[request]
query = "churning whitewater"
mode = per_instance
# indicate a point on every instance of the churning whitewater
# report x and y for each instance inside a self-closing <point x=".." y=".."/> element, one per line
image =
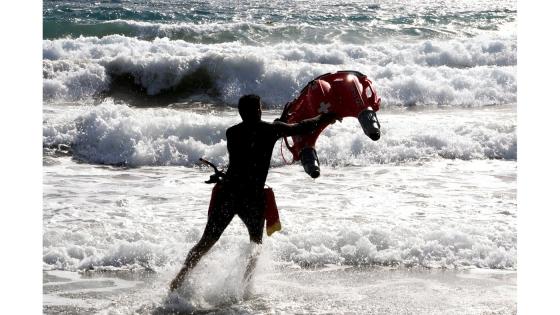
<point x="119" y="135"/>
<point x="467" y="72"/>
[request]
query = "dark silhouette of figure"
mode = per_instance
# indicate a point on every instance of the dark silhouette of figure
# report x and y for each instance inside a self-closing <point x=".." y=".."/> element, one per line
<point x="250" y="144"/>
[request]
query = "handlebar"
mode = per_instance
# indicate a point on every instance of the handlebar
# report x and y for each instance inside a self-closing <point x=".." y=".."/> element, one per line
<point x="218" y="175"/>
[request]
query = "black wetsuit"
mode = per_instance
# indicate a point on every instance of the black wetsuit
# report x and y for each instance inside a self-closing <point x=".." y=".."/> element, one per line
<point x="250" y="149"/>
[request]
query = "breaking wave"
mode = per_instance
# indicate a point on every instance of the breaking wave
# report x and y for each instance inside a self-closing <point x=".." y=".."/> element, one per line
<point x="397" y="246"/>
<point x="459" y="72"/>
<point x="120" y="135"/>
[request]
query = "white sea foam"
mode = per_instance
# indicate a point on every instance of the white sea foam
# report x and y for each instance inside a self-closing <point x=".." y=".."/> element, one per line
<point x="378" y="246"/>
<point x="386" y="226"/>
<point x="117" y="134"/>
<point x="437" y="248"/>
<point x="467" y="72"/>
<point x="73" y="79"/>
<point x="403" y="215"/>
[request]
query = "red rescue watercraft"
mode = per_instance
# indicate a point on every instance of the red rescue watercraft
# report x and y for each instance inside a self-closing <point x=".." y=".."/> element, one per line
<point x="345" y="93"/>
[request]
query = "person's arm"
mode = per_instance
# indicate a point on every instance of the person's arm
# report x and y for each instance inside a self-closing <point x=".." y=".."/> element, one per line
<point x="305" y="126"/>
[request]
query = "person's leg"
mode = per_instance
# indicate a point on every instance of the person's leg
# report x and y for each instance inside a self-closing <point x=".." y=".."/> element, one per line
<point x="218" y="219"/>
<point x="254" y="221"/>
<point x="252" y="263"/>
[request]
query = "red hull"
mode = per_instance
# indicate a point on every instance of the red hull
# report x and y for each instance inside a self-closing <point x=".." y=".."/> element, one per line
<point x="346" y="93"/>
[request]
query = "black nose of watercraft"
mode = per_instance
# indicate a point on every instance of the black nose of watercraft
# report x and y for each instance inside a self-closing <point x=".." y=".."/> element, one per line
<point x="370" y="124"/>
<point x="310" y="162"/>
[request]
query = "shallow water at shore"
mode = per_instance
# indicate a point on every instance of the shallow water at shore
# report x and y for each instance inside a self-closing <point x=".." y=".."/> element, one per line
<point x="329" y="290"/>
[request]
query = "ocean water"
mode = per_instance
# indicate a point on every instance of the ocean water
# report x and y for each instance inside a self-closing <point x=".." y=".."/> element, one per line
<point x="422" y="221"/>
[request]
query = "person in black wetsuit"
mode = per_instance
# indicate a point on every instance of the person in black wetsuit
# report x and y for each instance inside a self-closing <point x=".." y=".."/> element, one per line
<point x="250" y="144"/>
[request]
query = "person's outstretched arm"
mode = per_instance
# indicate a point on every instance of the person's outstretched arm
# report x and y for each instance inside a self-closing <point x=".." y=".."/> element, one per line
<point x="305" y="126"/>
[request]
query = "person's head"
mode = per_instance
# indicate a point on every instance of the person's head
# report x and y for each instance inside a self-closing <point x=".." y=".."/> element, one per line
<point x="250" y="108"/>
